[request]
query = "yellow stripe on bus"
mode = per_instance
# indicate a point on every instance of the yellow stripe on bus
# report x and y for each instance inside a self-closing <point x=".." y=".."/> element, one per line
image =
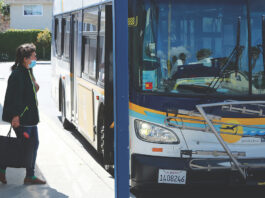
<point x="141" y="110"/>
<point x="243" y="121"/>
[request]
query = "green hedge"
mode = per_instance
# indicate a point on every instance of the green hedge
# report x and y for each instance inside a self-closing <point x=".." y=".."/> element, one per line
<point x="11" y="39"/>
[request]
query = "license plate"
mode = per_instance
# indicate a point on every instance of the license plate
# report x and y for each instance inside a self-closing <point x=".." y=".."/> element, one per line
<point x="172" y="176"/>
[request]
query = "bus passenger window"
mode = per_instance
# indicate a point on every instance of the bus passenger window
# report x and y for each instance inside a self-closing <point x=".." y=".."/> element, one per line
<point x="90" y="21"/>
<point x="67" y="38"/>
<point x="62" y="35"/>
<point x="89" y="46"/>
<point x="57" y="37"/>
<point x="89" y="57"/>
<point x="101" y="50"/>
<point x="101" y="58"/>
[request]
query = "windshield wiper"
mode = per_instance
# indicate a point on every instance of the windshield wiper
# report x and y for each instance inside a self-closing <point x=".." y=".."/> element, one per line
<point x="237" y="51"/>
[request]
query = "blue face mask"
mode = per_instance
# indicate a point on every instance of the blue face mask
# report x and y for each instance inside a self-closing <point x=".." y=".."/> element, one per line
<point x="32" y="64"/>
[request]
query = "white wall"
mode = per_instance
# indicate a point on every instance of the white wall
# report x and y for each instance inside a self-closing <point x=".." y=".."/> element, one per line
<point x="19" y="21"/>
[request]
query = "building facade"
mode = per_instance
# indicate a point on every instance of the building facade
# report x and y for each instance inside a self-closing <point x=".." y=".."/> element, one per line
<point x="30" y="14"/>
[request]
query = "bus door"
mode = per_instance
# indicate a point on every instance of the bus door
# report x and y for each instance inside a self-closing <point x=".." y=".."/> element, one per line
<point x="109" y="116"/>
<point x="87" y="87"/>
<point x="75" y="62"/>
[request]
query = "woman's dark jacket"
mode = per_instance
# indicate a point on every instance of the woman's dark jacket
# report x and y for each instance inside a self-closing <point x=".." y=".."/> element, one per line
<point x="20" y="98"/>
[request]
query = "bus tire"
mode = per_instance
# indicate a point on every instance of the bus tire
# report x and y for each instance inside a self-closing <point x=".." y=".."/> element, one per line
<point x="65" y="122"/>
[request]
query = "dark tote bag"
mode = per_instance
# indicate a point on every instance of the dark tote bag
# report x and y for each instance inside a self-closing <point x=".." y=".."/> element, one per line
<point x="15" y="152"/>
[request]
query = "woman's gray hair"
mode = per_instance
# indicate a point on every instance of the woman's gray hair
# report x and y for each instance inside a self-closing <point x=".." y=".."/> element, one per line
<point x="23" y="51"/>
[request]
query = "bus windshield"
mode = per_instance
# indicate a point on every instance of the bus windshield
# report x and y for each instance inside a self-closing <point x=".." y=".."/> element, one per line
<point x="197" y="47"/>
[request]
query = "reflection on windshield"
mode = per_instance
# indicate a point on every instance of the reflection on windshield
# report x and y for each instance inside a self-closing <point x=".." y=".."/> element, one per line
<point x="197" y="47"/>
<point x="257" y="11"/>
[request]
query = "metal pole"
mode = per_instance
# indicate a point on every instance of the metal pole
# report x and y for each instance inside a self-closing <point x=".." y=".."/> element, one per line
<point x="250" y="56"/>
<point x="237" y="164"/>
<point x="121" y="97"/>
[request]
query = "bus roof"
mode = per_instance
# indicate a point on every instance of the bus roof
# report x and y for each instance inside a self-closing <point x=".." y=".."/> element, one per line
<point x="64" y="6"/>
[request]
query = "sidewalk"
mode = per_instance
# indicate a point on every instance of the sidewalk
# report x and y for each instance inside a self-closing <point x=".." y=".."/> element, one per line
<point x="62" y="161"/>
<point x="65" y="165"/>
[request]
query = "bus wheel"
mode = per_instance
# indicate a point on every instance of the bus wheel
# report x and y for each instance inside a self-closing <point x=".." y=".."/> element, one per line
<point x="65" y="122"/>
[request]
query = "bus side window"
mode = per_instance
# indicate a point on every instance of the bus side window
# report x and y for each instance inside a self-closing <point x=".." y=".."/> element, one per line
<point x="57" y="37"/>
<point x="89" y="45"/>
<point x="67" y="38"/>
<point x="101" y="50"/>
<point x="101" y="60"/>
<point x="89" y="57"/>
<point x="62" y="35"/>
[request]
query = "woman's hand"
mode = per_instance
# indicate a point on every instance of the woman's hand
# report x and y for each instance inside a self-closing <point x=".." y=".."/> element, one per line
<point x="15" y="122"/>
<point x="36" y="86"/>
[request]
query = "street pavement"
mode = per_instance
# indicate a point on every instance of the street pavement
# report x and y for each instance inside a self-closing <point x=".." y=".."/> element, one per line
<point x="63" y="160"/>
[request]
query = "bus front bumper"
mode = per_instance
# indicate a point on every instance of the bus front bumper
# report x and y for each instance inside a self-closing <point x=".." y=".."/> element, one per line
<point x="145" y="172"/>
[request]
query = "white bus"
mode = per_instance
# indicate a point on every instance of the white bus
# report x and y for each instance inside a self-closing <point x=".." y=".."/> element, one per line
<point x="197" y="86"/>
<point x="81" y="58"/>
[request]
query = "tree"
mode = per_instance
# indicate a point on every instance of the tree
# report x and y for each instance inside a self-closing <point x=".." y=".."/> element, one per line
<point x="4" y="8"/>
<point x="44" y="39"/>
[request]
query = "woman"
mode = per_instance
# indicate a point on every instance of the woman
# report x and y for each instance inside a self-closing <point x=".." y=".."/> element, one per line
<point x="21" y="105"/>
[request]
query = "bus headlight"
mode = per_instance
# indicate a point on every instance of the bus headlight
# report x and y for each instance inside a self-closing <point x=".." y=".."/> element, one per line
<point x="154" y="133"/>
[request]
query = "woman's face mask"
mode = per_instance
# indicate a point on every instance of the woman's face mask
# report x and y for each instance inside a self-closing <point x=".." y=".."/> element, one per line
<point x="32" y="64"/>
